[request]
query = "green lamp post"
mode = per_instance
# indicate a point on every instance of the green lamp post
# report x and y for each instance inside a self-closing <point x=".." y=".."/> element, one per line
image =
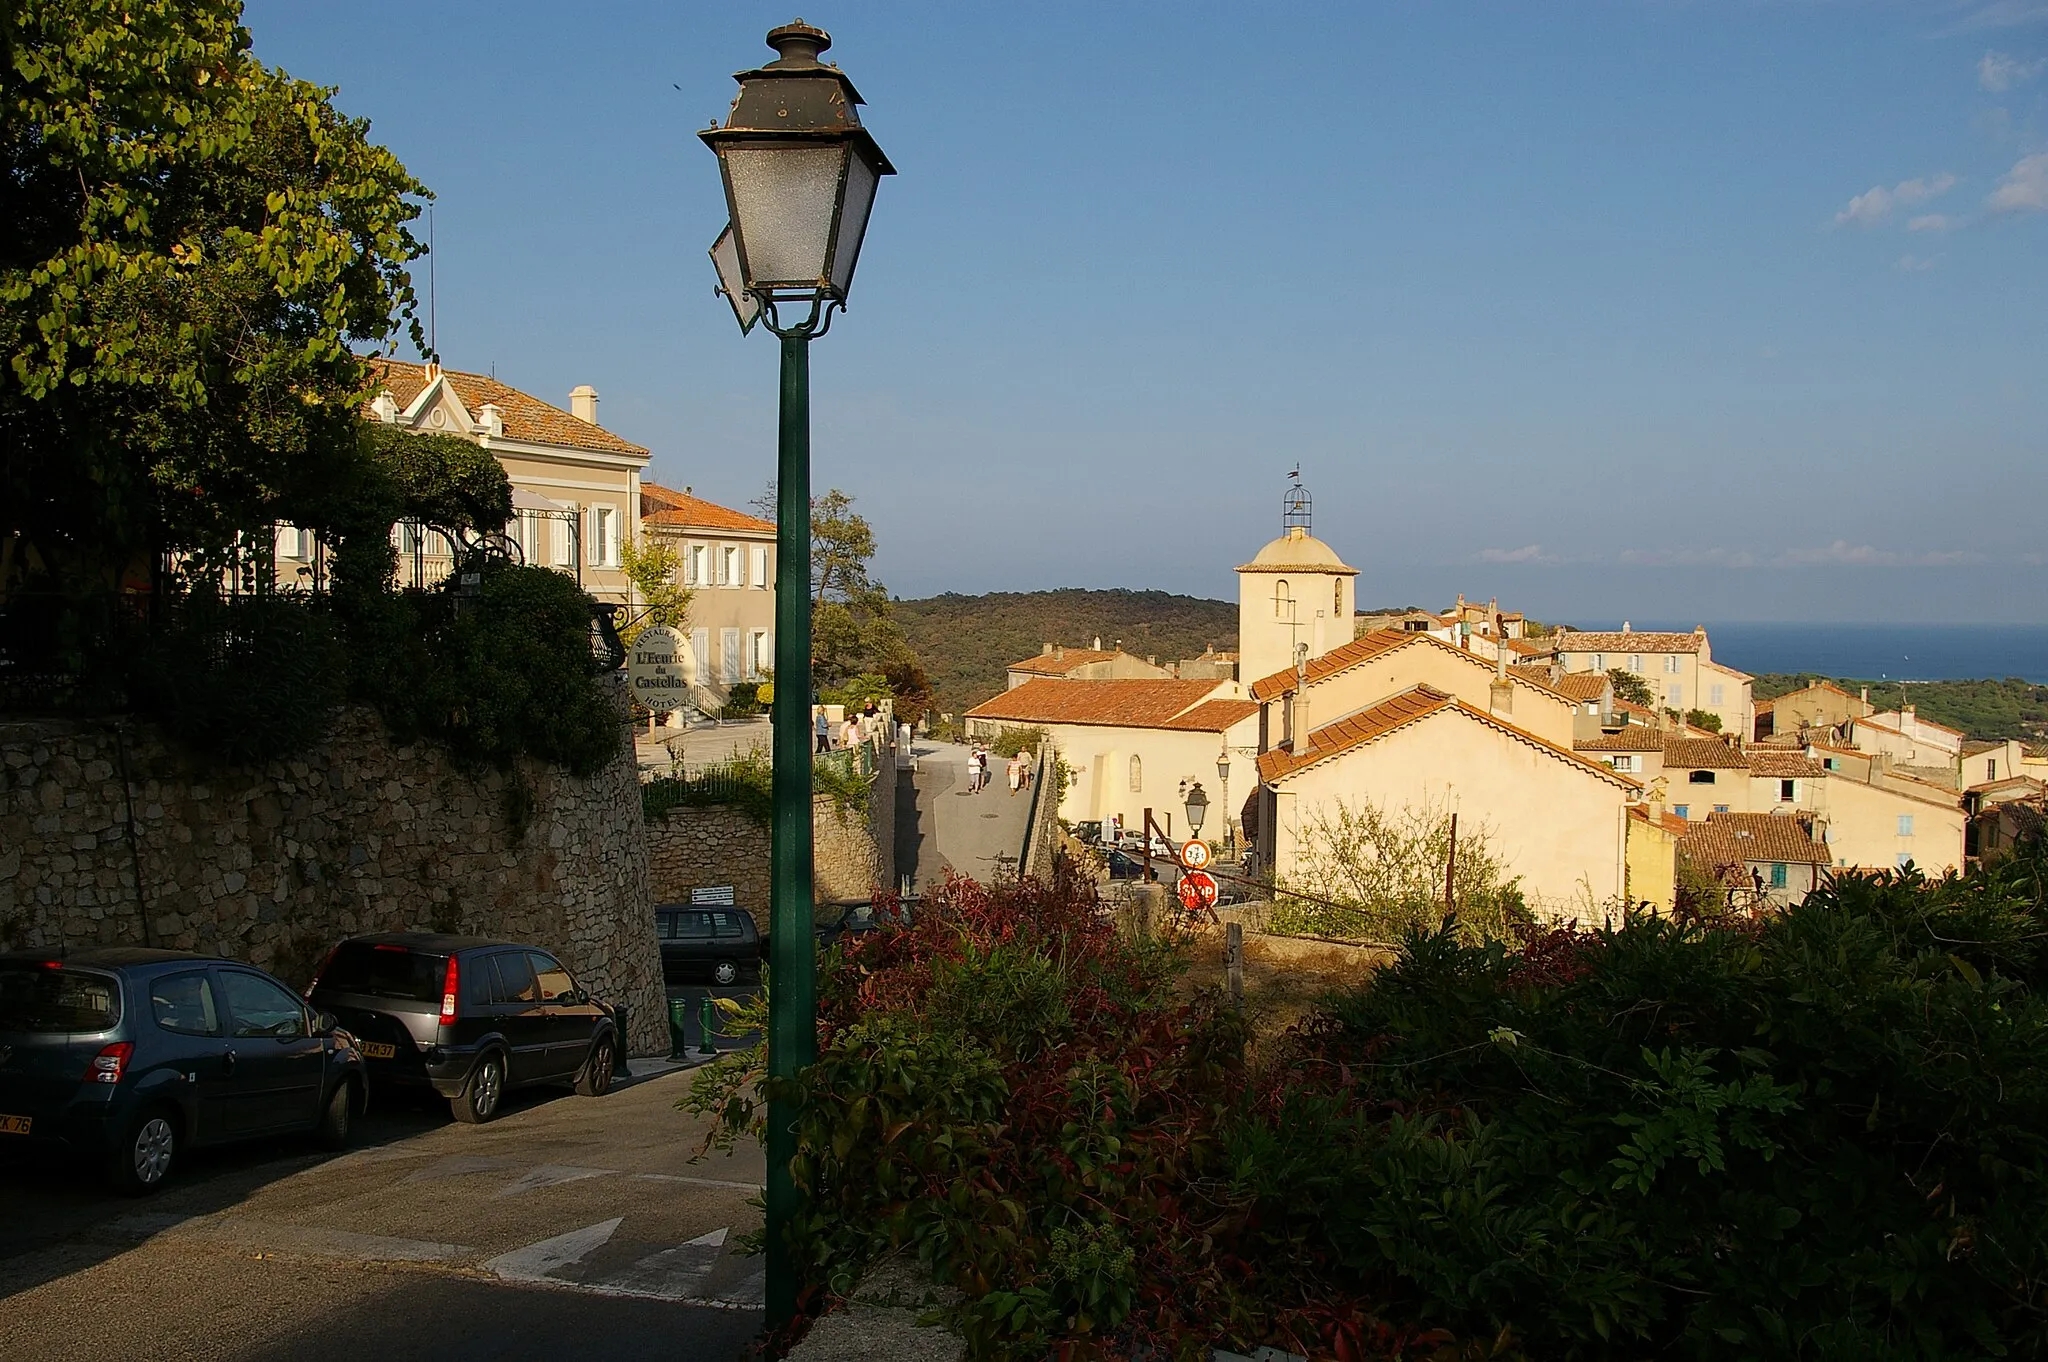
<point x="800" y="175"/>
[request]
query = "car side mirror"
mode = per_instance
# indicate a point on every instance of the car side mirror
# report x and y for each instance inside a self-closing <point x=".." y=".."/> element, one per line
<point x="575" y="997"/>
<point x="323" y="1022"/>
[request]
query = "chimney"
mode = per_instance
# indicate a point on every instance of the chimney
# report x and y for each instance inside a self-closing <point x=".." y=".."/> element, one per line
<point x="1866" y="695"/>
<point x="583" y="403"/>
<point x="1058" y="650"/>
<point x="386" y="407"/>
<point x="1098" y="643"/>
<point x="492" y="418"/>
<point x="1046" y="651"/>
<point x="1624" y="626"/>
<point x="1151" y="661"/>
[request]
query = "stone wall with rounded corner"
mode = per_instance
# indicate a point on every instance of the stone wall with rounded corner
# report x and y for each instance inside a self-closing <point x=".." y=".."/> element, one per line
<point x="272" y="864"/>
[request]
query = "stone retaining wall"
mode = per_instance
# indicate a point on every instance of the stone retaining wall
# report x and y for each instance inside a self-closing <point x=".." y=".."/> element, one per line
<point x="703" y="846"/>
<point x="271" y="864"/>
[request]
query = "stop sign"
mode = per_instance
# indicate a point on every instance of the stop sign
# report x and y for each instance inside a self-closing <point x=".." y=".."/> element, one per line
<point x="1197" y="890"/>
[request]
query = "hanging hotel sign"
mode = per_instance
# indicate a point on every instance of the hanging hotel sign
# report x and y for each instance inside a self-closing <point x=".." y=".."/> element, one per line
<point x="661" y="668"/>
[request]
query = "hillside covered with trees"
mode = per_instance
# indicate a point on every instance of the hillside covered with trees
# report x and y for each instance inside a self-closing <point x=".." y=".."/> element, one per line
<point x="965" y="642"/>
<point x="2011" y="708"/>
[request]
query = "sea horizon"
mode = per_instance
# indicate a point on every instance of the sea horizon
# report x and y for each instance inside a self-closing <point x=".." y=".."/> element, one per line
<point x="1875" y="652"/>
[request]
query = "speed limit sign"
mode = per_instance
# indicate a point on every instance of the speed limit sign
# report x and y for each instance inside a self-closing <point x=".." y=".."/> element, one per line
<point x="1194" y="855"/>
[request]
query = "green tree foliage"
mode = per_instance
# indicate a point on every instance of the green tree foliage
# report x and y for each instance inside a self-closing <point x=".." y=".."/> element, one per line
<point x="853" y="624"/>
<point x="190" y="244"/>
<point x="1700" y="718"/>
<point x="2012" y="708"/>
<point x="655" y="569"/>
<point x="966" y="642"/>
<point x="1368" y="872"/>
<point x="1630" y="687"/>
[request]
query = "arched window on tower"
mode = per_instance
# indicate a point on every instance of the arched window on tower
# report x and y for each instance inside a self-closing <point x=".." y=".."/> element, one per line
<point x="1337" y="599"/>
<point x="1283" y="600"/>
<point x="1137" y="775"/>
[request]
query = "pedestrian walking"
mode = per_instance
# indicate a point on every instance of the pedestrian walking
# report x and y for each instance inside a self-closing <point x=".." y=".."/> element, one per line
<point x="1016" y="774"/>
<point x="822" y="726"/>
<point x="849" y="733"/>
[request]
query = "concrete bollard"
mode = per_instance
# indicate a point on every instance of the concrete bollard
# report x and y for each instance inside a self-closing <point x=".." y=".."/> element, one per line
<point x="678" y="1028"/>
<point x="622" y="1017"/>
<point x="707" y="1021"/>
<point x="1233" y="961"/>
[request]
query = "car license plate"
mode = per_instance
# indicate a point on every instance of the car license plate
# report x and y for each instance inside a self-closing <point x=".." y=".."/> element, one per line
<point x="377" y="1049"/>
<point x="15" y="1125"/>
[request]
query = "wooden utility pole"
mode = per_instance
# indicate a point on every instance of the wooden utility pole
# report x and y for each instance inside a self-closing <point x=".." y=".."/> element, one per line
<point x="1233" y="962"/>
<point x="1451" y="871"/>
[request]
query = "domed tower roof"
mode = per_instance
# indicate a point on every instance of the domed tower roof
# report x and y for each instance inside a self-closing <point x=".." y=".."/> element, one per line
<point x="1298" y="551"/>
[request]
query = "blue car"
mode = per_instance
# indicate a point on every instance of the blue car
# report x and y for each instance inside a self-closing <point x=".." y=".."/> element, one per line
<point x="132" y="1056"/>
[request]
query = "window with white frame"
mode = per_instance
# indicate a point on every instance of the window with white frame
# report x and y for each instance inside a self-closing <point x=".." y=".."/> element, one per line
<point x="1714" y="696"/>
<point x="1623" y="761"/>
<point x="730" y="663"/>
<point x="700" y="649"/>
<point x="1788" y="791"/>
<point x="733" y="569"/>
<point x="760" y="580"/>
<point x="1905" y="825"/>
<point x="1671" y="664"/>
<point x="602" y="525"/>
<point x="760" y="655"/>
<point x="1677" y="695"/>
<point x="696" y="565"/>
<point x="563" y="536"/>
<point x="1635" y="662"/>
<point x="1599" y="662"/>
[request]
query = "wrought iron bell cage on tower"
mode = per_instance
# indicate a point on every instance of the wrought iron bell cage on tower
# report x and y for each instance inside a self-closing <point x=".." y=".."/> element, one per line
<point x="1296" y="507"/>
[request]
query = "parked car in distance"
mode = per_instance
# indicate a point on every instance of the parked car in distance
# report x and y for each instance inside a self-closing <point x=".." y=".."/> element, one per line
<point x="466" y="1016"/>
<point x="1131" y="841"/>
<point x="699" y="943"/>
<point x="133" y="1056"/>
<point x="855" y="921"/>
<point x="1088" y="832"/>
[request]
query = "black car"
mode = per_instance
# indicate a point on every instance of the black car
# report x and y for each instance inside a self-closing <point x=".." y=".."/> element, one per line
<point x="856" y="921"/>
<point x="133" y="1056"/>
<point x="469" y="1017"/>
<point x="696" y="942"/>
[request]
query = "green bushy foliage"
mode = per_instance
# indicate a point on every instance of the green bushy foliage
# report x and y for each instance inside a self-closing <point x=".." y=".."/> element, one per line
<point x="243" y="680"/>
<point x="1010" y="741"/>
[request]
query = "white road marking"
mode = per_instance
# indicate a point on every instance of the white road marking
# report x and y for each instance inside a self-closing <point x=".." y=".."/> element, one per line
<point x="700" y="1182"/>
<point x="458" y="1165"/>
<point x="673" y="1274"/>
<point x="552" y="1175"/>
<point x="534" y="1262"/>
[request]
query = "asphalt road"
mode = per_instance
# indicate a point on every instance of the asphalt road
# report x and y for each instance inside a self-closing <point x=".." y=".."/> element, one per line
<point x="570" y="1227"/>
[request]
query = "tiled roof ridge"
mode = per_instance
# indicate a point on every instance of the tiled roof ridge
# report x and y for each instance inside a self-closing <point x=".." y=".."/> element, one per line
<point x="1390" y="640"/>
<point x="487" y="391"/>
<point x="1181" y="694"/>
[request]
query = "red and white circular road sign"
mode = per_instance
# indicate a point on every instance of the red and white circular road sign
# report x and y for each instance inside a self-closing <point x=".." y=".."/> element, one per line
<point x="1194" y="855"/>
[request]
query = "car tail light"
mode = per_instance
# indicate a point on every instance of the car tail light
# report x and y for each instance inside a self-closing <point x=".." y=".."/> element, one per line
<point x="322" y="970"/>
<point x="449" y="983"/>
<point x="110" y="1063"/>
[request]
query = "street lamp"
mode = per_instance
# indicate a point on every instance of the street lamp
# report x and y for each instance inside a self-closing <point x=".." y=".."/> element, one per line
<point x="800" y="175"/>
<point x="1223" y="779"/>
<point x="1197" y="805"/>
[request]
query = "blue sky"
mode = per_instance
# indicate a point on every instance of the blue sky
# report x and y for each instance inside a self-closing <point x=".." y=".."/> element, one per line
<point x="1727" y="310"/>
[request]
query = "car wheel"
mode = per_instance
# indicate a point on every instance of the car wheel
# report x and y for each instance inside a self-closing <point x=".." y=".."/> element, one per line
<point x="725" y="971"/>
<point x="143" y="1160"/>
<point x="595" y="1080"/>
<point x="337" y="1122"/>
<point x="479" y="1098"/>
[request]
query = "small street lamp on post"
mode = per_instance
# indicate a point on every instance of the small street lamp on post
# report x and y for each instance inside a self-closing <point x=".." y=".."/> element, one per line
<point x="1196" y="802"/>
<point x="800" y="175"/>
<point x="1223" y="780"/>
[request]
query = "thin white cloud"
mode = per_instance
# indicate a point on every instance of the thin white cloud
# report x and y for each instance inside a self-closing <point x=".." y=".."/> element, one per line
<point x="1714" y="557"/>
<point x="2000" y="71"/>
<point x="1935" y="222"/>
<point x="1842" y="553"/>
<point x="2000" y="14"/>
<point x="1915" y="264"/>
<point x="1528" y="553"/>
<point x="1877" y="203"/>
<point x="2024" y="188"/>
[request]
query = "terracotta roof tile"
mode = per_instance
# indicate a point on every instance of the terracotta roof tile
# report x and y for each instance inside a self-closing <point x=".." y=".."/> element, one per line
<point x="1732" y="838"/>
<point x="1213" y="716"/>
<point x="1580" y="686"/>
<point x="526" y="417"/>
<point x="1573" y="641"/>
<point x="1633" y="738"/>
<point x="1779" y="764"/>
<point x="1369" y="646"/>
<point x="1420" y="702"/>
<point x="1059" y="664"/>
<point x="664" y="506"/>
<point x="1670" y="822"/>
<point x="1696" y="753"/>
<point x="1122" y="704"/>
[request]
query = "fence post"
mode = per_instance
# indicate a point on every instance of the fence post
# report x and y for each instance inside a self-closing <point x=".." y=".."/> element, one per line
<point x="1233" y="961"/>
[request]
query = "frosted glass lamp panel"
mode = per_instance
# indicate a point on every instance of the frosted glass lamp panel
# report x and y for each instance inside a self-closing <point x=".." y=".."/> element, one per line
<point x="853" y="221"/>
<point x="783" y="197"/>
<point x="725" y="258"/>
